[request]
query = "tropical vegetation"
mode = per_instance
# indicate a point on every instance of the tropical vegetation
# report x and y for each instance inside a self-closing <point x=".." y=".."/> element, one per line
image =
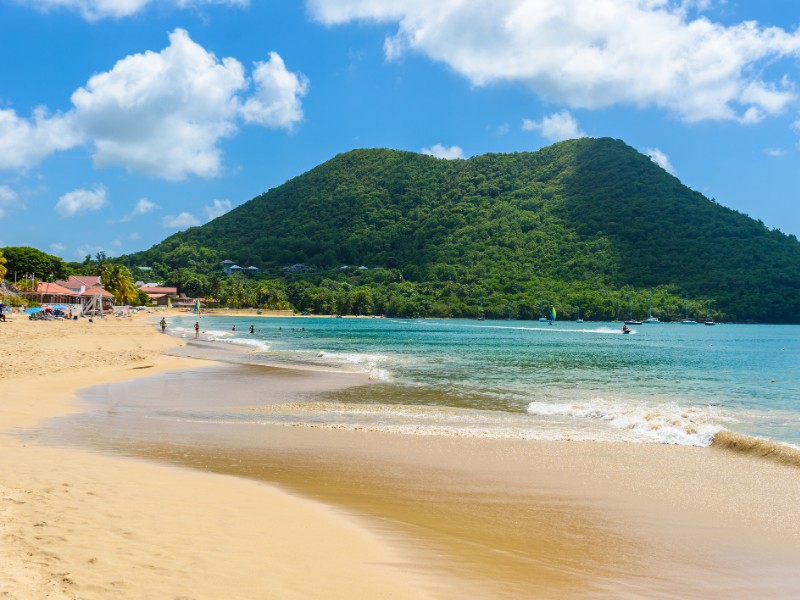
<point x="590" y="226"/>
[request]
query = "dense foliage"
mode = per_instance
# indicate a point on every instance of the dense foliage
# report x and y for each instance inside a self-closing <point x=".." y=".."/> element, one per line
<point x="24" y="262"/>
<point x="589" y="225"/>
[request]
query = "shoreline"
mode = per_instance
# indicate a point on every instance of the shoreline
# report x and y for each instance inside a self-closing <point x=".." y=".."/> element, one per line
<point x="433" y="517"/>
<point x="79" y="524"/>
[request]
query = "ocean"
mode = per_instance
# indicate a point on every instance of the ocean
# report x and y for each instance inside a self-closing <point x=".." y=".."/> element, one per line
<point x="667" y="383"/>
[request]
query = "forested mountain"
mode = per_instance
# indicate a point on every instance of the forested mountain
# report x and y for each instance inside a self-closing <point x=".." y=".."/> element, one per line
<point x="589" y="224"/>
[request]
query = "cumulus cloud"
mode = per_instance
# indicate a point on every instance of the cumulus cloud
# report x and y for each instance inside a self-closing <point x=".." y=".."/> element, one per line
<point x="440" y="151"/>
<point x="94" y="10"/>
<point x="217" y="208"/>
<point x="57" y="248"/>
<point x="775" y="152"/>
<point x="594" y="53"/>
<point x="661" y="159"/>
<point x="556" y="127"/>
<point x="181" y="221"/>
<point x="276" y="101"/>
<point x="162" y="113"/>
<point x="81" y="201"/>
<point x="25" y="142"/>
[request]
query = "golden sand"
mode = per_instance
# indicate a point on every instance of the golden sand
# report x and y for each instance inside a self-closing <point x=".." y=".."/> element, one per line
<point x="79" y="525"/>
<point x="416" y="517"/>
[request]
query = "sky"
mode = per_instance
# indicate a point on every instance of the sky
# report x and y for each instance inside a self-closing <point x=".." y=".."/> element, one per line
<point x="124" y="121"/>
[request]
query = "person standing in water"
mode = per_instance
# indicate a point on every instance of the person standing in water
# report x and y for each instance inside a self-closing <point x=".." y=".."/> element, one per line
<point x="196" y="329"/>
<point x="234" y="327"/>
<point x="252" y="330"/>
<point x="163" y="324"/>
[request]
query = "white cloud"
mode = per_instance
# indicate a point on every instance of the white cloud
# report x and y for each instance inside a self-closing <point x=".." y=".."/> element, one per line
<point x="661" y="159"/>
<point x="556" y="127"/>
<point x="90" y="250"/>
<point x="81" y="201"/>
<point x="159" y="113"/>
<point x="276" y="101"/>
<point x="143" y="206"/>
<point x="24" y="142"/>
<point x="440" y="151"/>
<point x="775" y="152"/>
<point x="217" y="209"/>
<point x="135" y="236"/>
<point x="57" y="248"/>
<point x="181" y="221"/>
<point x="162" y="113"/>
<point x="8" y="199"/>
<point x="93" y="10"/>
<point x="594" y="53"/>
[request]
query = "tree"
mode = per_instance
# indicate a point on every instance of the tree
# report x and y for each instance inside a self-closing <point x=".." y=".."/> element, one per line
<point x="117" y="279"/>
<point x="24" y="260"/>
<point x="2" y="266"/>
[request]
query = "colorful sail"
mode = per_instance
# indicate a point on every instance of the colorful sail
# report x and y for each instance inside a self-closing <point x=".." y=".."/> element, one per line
<point x="197" y="305"/>
<point x="552" y="313"/>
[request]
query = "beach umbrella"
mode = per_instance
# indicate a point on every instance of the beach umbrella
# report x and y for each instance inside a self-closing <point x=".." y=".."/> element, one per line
<point x="30" y="311"/>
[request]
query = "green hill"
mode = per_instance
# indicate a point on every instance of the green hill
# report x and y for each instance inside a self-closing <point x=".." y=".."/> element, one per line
<point x="589" y="224"/>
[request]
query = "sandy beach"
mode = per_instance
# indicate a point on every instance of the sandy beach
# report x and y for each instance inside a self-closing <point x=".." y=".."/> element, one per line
<point x="287" y="512"/>
<point x="75" y="524"/>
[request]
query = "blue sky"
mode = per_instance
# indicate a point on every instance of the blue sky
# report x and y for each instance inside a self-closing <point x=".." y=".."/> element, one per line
<point x="123" y="121"/>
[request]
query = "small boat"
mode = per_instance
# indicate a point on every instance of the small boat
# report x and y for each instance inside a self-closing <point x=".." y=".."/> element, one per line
<point x="688" y="320"/>
<point x="632" y="321"/>
<point x="709" y="320"/>
<point x="541" y="314"/>
<point x="579" y="320"/>
<point x="650" y="318"/>
<point x="626" y="329"/>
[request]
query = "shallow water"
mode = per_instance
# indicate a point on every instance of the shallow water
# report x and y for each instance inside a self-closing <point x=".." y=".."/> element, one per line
<point x="664" y="383"/>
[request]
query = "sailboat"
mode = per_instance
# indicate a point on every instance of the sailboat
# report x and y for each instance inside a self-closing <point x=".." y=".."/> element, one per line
<point x="709" y="320"/>
<point x="541" y="314"/>
<point x="650" y="318"/>
<point x="579" y="320"/>
<point x="552" y="314"/>
<point x="632" y="321"/>
<point x="687" y="320"/>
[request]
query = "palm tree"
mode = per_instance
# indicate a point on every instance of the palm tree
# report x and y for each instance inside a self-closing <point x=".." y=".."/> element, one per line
<point x="117" y="279"/>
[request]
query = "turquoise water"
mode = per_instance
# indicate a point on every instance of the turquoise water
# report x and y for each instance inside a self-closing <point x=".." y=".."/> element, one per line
<point x="667" y="383"/>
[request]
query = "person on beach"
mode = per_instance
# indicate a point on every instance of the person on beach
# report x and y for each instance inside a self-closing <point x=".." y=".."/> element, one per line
<point x="163" y="324"/>
<point x="196" y="329"/>
<point x="252" y="329"/>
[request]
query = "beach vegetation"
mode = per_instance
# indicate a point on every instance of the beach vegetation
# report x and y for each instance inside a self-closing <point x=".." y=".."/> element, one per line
<point x="24" y="262"/>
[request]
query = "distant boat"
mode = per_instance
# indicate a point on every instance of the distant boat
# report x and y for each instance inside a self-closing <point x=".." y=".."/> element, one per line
<point x="687" y="320"/>
<point x="579" y="320"/>
<point x="541" y="314"/>
<point x="709" y="319"/>
<point x="632" y="321"/>
<point x="650" y="318"/>
<point x="552" y="314"/>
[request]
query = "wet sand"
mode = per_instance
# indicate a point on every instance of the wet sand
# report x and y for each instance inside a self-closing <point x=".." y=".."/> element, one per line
<point x="505" y="518"/>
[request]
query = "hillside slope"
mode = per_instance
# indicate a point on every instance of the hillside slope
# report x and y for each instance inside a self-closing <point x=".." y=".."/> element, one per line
<point x="582" y="215"/>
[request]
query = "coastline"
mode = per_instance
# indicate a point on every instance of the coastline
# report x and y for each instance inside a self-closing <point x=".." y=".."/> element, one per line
<point x="490" y="518"/>
<point x="78" y="524"/>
